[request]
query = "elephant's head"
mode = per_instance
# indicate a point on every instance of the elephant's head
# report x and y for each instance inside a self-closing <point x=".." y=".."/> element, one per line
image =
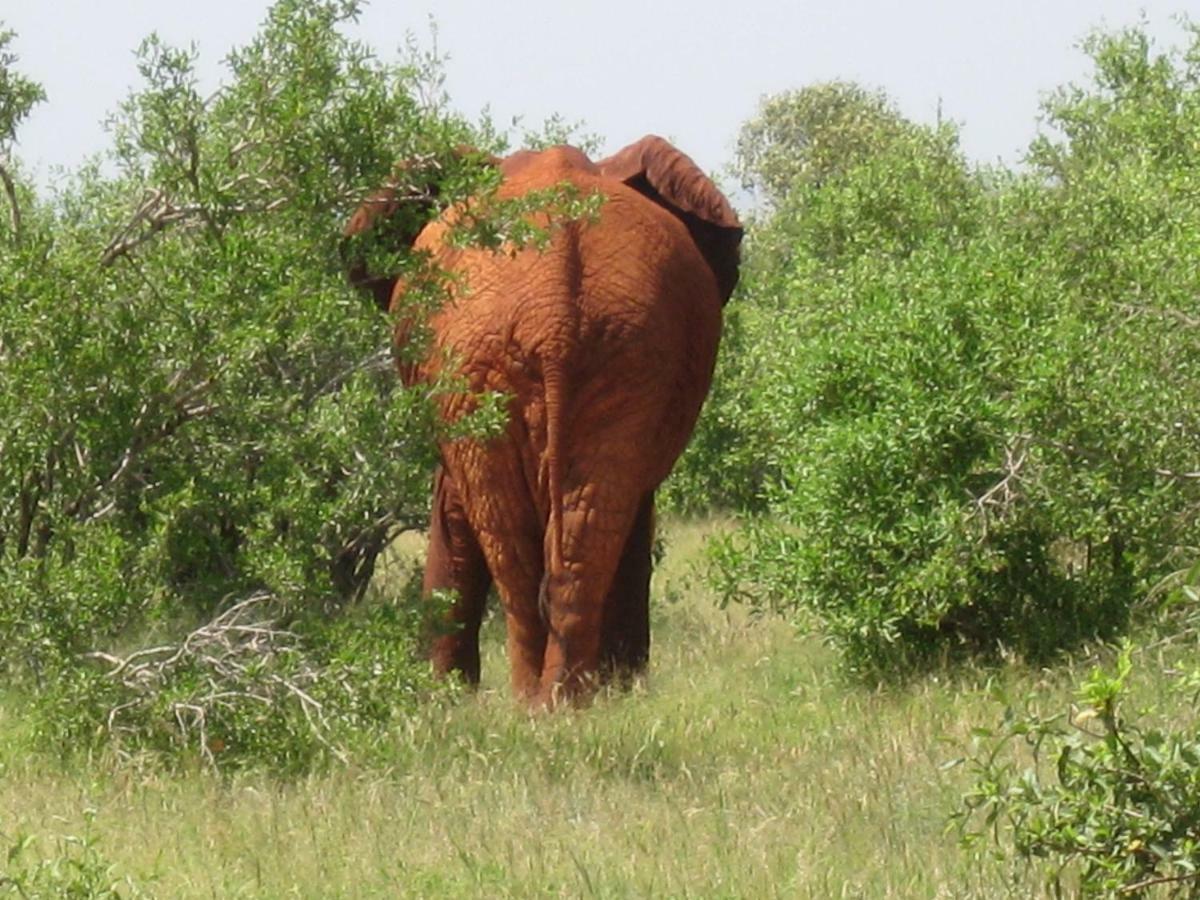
<point x="657" y="169"/>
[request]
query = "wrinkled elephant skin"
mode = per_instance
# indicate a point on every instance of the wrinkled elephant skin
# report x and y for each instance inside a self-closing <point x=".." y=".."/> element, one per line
<point x="603" y="343"/>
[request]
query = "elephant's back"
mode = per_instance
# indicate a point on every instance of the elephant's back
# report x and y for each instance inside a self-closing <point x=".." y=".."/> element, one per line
<point x="623" y="304"/>
<point x="629" y="283"/>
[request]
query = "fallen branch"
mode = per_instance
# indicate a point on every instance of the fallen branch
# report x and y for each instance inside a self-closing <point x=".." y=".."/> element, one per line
<point x="233" y="654"/>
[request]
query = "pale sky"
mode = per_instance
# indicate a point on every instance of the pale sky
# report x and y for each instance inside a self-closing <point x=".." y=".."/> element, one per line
<point x="691" y="71"/>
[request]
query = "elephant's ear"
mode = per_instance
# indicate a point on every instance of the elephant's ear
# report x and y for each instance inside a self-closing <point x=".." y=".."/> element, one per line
<point x="391" y="218"/>
<point x="657" y="169"/>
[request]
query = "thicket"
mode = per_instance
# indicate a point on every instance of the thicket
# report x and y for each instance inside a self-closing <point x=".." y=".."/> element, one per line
<point x="202" y="442"/>
<point x="960" y="406"/>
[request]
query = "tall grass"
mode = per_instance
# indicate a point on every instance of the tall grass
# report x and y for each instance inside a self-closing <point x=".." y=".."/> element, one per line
<point x="741" y="767"/>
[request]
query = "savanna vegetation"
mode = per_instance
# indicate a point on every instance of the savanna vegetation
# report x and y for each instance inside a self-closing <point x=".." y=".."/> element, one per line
<point x="925" y="623"/>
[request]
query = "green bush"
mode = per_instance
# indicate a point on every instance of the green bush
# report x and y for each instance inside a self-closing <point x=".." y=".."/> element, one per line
<point x="195" y="406"/>
<point x="972" y="396"/>
<point x="1105" y="801"/>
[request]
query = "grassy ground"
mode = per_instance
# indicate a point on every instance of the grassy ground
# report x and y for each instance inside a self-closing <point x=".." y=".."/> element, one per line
<point x="742" y="767"/>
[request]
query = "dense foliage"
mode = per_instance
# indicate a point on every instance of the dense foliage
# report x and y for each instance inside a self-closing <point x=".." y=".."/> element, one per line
<point x="196" y="408"/>
<point x="966" y="401"/>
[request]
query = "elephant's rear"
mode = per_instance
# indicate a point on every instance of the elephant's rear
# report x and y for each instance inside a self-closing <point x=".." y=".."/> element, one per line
<point x="605" y="340"/>
<point x="604" y="344"/>
<point x="649" y="323"/>
<point x="650" y="320"/>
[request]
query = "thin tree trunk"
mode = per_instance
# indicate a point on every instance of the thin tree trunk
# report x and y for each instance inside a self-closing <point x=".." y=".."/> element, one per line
<point x="14" y="215"/>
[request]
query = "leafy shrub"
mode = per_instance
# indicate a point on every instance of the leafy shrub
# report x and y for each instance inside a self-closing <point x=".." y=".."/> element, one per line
<point x="1108" y="801"/>
<point x="196" y="409"/>
<point x="194" y="402"/>
<point x="76" y="868"/>
<point x="948" y="372"/>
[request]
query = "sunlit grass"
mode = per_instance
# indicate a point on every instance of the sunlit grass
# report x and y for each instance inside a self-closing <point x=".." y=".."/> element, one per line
<point x="742" y="766"/>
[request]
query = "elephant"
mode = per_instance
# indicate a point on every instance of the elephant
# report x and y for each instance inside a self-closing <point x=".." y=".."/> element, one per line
<point x="603" y="343"/>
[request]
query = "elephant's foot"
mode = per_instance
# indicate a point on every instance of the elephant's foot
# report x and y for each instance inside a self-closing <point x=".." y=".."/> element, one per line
<point x="454" y="561"/>
<point x="526" y="642"/>
<point x="567" y="691"/>
<point x="457" y="654"/>
<point x="571" y="669"/>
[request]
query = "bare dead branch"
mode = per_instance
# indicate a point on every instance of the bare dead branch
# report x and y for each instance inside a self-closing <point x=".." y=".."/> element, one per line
<point x="230" y="651"/>
<point x="120" y="665"/>
<point x="997" y="500"/>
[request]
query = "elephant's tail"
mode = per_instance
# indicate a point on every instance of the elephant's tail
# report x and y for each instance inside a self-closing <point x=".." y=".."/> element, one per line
<point x="554" y="384"/>
<point x="554" y="357"/>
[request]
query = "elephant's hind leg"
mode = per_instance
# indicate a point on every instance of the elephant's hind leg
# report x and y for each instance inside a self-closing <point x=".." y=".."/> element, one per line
<point x="595" y="523"/>
<point x="625" y="646"/>
<point x="455" y="561"/>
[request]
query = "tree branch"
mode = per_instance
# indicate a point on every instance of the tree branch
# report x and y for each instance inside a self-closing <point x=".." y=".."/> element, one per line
<point x="188" y="404"/>
<point x="1161" y="879"/>
<point x="14" y="208"/>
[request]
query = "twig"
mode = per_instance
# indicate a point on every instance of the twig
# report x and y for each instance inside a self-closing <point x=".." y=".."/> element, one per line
<point x="1161" y="879"/>
<point x="1003" y="493"/>
<point x="1172" y="314"/>
<point x="1168" y="473"/>
<point x="120" y="665"/>
<point x="187" y="408"/>
<point x="379" y="361"/>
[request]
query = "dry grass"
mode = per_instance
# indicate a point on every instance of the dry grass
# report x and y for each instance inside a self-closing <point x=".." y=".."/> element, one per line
<point x="742" y="767"/>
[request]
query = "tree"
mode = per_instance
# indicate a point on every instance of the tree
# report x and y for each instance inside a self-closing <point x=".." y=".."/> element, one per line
<point x="806" y="136"/>
<point x="18" y="96"/>
<point x="846" y="180"/>
<point x="198" y="414"/>
<point x="950" y="377"/>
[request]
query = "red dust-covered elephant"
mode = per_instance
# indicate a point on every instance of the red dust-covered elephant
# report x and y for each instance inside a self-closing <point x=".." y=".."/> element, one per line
<point x="604" y="343"/>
